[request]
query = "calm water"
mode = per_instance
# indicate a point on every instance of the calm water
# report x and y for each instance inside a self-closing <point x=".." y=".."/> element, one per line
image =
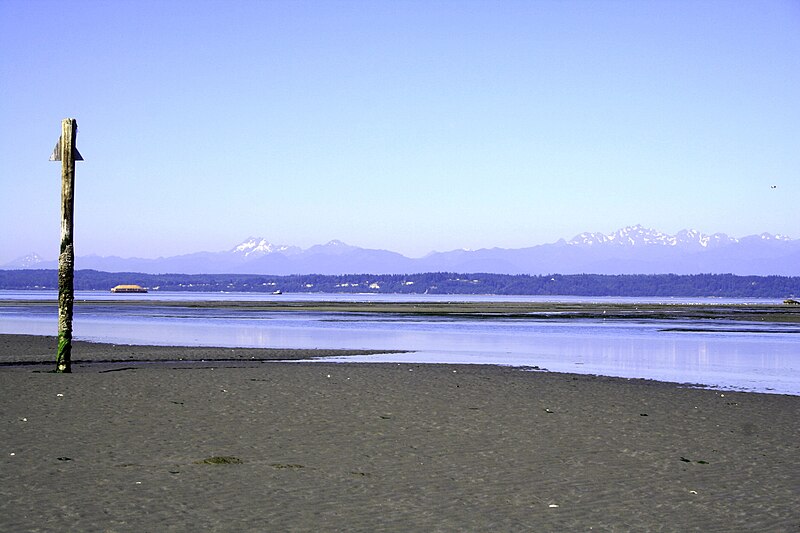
<point x="157" y="296"/>
<point x="728" y="358"/>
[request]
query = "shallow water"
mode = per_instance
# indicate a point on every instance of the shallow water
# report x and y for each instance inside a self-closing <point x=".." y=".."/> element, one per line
<point x="156" y="296"/>
<point x="731" y="355"/>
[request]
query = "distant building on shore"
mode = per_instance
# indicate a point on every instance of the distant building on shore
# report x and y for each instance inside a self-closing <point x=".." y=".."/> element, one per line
<point x="128" y="288"/>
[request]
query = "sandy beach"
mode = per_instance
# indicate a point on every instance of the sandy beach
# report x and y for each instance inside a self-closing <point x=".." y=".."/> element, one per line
<point x="230" y="440"/>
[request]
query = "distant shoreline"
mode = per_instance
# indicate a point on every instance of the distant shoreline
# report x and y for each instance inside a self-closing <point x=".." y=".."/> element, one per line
<point x="436" y="283"/>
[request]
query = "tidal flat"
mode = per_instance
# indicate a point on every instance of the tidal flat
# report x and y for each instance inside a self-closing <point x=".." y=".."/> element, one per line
<point x="728" y="345"/>
<point x="297" y="446"/>
<point x="542" y="310"/>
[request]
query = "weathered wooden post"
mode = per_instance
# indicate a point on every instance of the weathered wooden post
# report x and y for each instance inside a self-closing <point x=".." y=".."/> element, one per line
<point x="66" y="152"/>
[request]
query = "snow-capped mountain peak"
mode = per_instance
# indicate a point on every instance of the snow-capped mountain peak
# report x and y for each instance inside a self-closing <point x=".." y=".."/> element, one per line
<point x="627" y="236"/>
<point x="638" y="235"/>
<point x="776" y="237"/>
<point x="26" y="261"/>
<point x="258" y="246"/>
<point x="635" y="235"/>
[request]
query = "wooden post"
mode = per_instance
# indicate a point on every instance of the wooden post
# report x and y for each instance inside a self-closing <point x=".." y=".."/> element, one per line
<point x="66" y="152"/>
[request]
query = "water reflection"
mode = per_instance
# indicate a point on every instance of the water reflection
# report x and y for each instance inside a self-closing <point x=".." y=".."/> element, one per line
<point x="747" y="359"/>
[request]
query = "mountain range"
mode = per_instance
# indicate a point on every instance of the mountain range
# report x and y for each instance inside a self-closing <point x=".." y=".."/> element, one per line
<point x="630" y="250"/>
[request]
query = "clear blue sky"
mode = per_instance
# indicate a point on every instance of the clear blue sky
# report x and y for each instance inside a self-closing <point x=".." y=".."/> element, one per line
<point x="412" y="126"/>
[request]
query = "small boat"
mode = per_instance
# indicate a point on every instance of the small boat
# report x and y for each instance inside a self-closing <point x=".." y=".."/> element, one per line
<point x="128" y="288"/>
<point x="277" y="292"/>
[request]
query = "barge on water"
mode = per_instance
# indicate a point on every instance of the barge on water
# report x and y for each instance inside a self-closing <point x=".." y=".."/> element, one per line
<point x="128" y="288"/>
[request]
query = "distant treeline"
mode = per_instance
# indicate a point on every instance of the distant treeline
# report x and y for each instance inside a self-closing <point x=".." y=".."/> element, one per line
<point x="721" y="285"/>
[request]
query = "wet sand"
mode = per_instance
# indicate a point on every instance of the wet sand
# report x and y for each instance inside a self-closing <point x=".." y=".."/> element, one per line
<point x="126" y="446"/>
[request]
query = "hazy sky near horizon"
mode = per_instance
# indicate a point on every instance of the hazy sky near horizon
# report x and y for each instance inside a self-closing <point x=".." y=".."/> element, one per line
<point x="407" y="125"/>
